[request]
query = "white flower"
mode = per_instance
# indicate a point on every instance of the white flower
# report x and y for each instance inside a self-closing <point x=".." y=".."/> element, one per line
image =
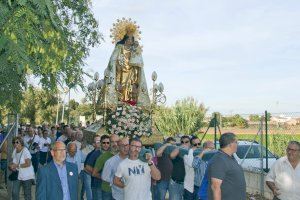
<point x="109" y="122"/>
<point x="114" y="126"/>
<point x="118" y="114"/>
<point x="123" y="113"/>
<point x="113" y="116"/>
<point x="119" y="123"/>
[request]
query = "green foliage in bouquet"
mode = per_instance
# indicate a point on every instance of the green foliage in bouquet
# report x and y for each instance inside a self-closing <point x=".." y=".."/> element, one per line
<point x="129" y="121"/>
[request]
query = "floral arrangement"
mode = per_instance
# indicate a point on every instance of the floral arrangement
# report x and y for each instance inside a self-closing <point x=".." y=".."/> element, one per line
<point x="129" y="120"/>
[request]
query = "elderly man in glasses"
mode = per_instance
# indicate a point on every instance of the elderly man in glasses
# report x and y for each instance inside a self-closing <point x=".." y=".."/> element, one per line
<point x="284" y="176"/>
<point x="59" y="178"/>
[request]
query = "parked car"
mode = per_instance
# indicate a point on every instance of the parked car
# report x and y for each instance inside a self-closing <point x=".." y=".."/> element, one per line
<point x="253" y="158"/>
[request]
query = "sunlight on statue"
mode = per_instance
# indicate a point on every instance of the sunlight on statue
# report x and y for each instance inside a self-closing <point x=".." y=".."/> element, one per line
<point x="124" y="76"/>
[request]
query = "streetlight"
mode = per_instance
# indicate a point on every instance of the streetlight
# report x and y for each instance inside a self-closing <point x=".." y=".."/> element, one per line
<point x="157" y="91"/>
<point x="93" y="87"/>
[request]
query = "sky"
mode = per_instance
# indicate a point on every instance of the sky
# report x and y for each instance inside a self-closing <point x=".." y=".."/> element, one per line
<point x="234" y="56"/>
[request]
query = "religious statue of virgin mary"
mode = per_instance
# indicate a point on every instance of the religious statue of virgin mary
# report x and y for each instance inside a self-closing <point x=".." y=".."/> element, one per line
<point x="124" y="76"/>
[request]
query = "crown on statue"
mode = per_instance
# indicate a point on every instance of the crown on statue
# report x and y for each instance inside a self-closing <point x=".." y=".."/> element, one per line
<point x="124" y="27"/>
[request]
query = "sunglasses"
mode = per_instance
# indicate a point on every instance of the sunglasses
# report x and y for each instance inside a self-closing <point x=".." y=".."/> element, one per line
<point x="137" y="147"/>
<point x="105" y="142"/>
<point x="184" y="142"/>
<point x="16" y="142"/>
<point x="196" y="144"/>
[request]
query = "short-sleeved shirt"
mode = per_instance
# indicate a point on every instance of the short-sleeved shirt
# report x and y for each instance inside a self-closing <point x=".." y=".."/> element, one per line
<point x="227" y="169"/>
<point x="165" y="166"/>
<point x="91" y="160"/>
<point x="178" y="172"/>
<point x="286" y="179"/>
<point x="26" y="173"/>
<point x="99" y="165"/>
<point x="137" y="179"/>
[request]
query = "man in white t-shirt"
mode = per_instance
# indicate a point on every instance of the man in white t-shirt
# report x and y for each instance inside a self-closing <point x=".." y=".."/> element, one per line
<point x="31" y="141"/>
<point x="44" y="144"/>
<point x="134" y="175"/>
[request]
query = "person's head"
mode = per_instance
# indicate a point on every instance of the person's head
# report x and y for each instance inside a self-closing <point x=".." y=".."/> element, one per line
<point x="53" y="130"/>
<point x="72" y="149"/>
<point x="79" y="135"/>
<point x="208" y="145"/>
<point x="58" y="152"/>
<point x="69" y="132"/>
<point x="123" y="145"/>
<point x="45" y="133"/>
<point x="135" y="148"/>
<point x="97" y="142"/>
<point x="40" y="131"/>
<point x="30" y="131"/>
<point x="18" y="143"/>
<point x="114" y="142"/>
<point x="170" y="140"/>
<point x="228" y="142"/>
<point x="185" y="141"/>
<point x="105" y="143"/>
<point x="293" y="151"/>
<point x="195" y="142"/>
<point x="127" y="40"/>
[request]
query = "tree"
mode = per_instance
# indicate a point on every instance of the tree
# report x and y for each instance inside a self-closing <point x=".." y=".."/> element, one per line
<point x="234" y="121"/>
<point x="254" y="118"/>
<point x="186" y="117"/>
<point x="47" y="39"/>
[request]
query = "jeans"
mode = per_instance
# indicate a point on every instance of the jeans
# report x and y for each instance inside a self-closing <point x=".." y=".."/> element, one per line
<point x="175" y="190"/>
<point x="3" y="167"/>
<point x="35" y="161"/>
<point x="196" y="190"/>
<point x="161" y="189"/>
<point x="188" y="195"/>
<point x="97" y="193"/>
<point x="86" y="184"/>
<point x="106" y="195"/>
<point x="26" y="187"/>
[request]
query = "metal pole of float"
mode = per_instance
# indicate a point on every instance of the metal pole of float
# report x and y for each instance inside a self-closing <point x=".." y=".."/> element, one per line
<point x="261" y="159"/>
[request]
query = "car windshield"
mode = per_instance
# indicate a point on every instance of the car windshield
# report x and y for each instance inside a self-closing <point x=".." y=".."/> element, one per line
<point x="254" y="152"/>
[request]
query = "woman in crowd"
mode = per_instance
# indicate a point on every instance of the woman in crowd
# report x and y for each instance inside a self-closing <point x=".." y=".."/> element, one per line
<point x="21" y="162"/>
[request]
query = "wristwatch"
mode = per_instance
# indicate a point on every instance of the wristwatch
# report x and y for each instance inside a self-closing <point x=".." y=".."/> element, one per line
<point x="150" y="163"/>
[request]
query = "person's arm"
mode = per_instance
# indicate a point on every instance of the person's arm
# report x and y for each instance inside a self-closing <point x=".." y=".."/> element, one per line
<point x="98" y="167"/>
<point x="160" y="150"/>
<point x="174" y="153"/>
<point x="188" y="159"/>
<point x="118" y="182"/>
<point x="155" y="173"/>
<point x="270" y="180"/>
<point x="26" y="164"/>
<point x="88" y="169"/>
<point x="216" y="188"/>
<point x="273" y="188"/>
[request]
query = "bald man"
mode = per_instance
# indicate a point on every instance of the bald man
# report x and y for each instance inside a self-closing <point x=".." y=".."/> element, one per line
<point x="58" y="179"/>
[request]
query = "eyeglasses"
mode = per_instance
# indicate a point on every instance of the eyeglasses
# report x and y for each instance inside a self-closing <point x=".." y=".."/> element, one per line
<point x="137" y="147"/>
<point x="16" y="142"/>
<point x="184" y="142"/>
<point x="59" y="149"/>
<point x="105" y="142"/>
<point x="294" y="150"/>
<point x="196" y="144"/>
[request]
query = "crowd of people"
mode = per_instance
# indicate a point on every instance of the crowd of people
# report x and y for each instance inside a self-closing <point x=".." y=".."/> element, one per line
<point x="63" y="166"/>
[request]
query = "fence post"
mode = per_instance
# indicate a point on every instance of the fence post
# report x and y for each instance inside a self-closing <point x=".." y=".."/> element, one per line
<point x="215" y="126"/>
<point x="261" y="159"/>
<point x="266" y="133"/>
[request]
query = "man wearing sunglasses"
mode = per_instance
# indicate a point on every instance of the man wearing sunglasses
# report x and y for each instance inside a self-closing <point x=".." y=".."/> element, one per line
<point x="284" y="176"/>
<point x="110" y="148"/>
